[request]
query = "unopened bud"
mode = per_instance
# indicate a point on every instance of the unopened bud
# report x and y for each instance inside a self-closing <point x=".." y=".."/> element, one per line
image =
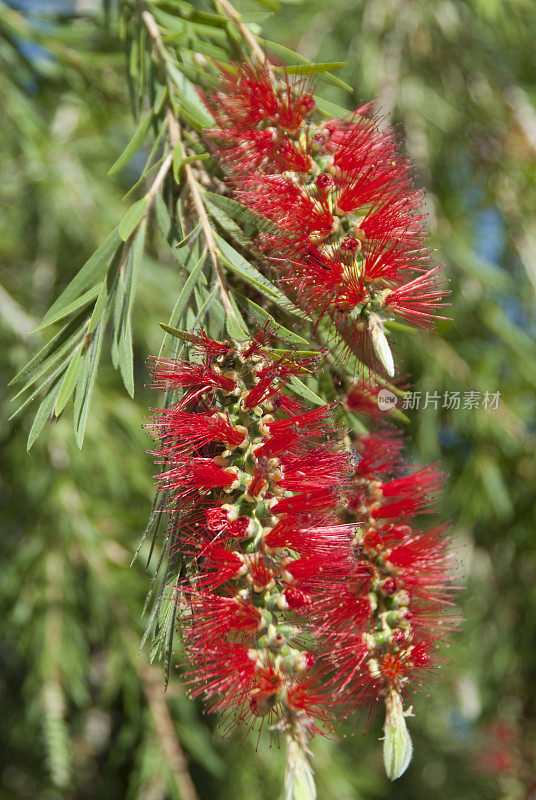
<point x="397" y="746"/>
<point x="380" y="344"/>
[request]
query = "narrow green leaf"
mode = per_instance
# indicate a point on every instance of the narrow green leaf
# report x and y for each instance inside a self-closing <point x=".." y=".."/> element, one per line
<point x="69" y="382"/>
<point x="265" y="318"/>
<point x="162" y="217"/>
<point x="208" y="49"/>
<point x="185" y="336"/>
<point x="252" y="275"/>
<point x="172" y="37"/>
<point x="159" y="100"/>
<point x="186" y="291"/>
<point x="229" y="225"/>
<point x="92" y="270"/>
<point x="294" y="354"/>
<point x="133" y="145"/>
<point x="178" y="159"/>
<point x="299" y="388"/>
<point x="188" y="239"/>
<point x="143" y="177"/>
<point x="56" y="341"/>
<point x="330" y="109"/>
<point x="138" y="251"/>
<point x="190" y="16"/>
<point x="44" y="413"/>
<point x="237" y="211"/>
<point x="178" y="333"/>
<point x="303" y="63"/>
<point x="356" y="423"/>
<point x="126" y="359"/>
<point x="81" y="385"/>
<point x="120" y="305"/>
<point x="171" y="228"/>
<point x="80" y="302"/>
<point x="48" y="380"/>
<point x="326" y="387"/>
<point x="132" y="218"/>
<point x="66" y="348"/>
<point x="149" y="166"/>
<point x="204" y="307"/>
<point x="236" y="326"/>
<point x="173" y="232"/>
<point x="189" y="100"/>
<point x="311" y="69"/>
<point x="197" y="157"/>
<point x="91" y="367"/>
<point x="99" y="307"/>
<point x="125" y="292"/>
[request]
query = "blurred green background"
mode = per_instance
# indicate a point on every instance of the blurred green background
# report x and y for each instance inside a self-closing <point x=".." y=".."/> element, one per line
<point x="83" y="716"/>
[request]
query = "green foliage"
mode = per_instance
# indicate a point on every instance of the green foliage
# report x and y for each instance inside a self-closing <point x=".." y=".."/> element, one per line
<point x="84" y="713"/>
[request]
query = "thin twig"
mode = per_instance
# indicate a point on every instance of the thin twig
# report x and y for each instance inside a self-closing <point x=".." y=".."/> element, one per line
<point x="233" y="14"/>
<point x="193" y="186"/>
<point x="159" y="180"/>
<point x="166" y="731"/>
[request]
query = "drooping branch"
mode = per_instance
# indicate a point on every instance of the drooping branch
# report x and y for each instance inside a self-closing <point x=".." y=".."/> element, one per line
<point x="174" y="138"/>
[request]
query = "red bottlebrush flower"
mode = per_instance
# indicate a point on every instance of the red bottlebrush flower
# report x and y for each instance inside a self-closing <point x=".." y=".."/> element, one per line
<point x="262" y="485"/>
<point x="222" y="616"/>
<point x="296" y="598"/>
<point x="266" y="491"/>
<point x="382" y="490"/>
<point x="193" y="474"/>
<point x="172" y="375"/>
<point x="378" y="454"/>
<point x="348" y="239"/>
<point x="418" y="300"/>
<point x="389" y="620"/>
<point x="304" y="472"/>
<point x="186" y="431"/>
<point x="395" y="668"/>
<point x="418" y="485"/>
<point x="364" y="398"/>
<point x="218" y="520"/>
<point x="248" y="96"/>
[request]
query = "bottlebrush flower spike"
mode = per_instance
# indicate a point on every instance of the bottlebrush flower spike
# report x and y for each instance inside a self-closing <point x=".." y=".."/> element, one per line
<point x="257" y="488"/>
<point x="394" y="619"/>
<point x="349" y="241"/>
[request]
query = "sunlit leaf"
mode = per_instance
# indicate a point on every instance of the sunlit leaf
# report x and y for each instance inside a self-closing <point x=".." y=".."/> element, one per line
<point x="134" y="144"/>
<point x="44" y="412"/>
<point x="132" y="218"/>
<point x="92" y="270"/>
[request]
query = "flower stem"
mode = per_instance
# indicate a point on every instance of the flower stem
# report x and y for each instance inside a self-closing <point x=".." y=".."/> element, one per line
<point x="233" y="14"/>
